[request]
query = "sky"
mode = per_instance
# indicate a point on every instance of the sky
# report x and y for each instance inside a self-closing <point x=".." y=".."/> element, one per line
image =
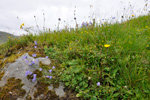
<point x="45" y="13"/>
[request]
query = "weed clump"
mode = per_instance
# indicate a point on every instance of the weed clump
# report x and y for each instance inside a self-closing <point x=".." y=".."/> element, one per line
<point x="12" y="90"/>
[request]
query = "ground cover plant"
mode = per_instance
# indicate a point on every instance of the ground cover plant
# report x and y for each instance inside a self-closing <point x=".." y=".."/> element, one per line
<point x="99" y="62"/>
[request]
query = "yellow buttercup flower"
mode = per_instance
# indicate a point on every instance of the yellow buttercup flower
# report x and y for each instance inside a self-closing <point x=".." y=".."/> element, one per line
<point x="21" y="26"/>
<point x="106" y="45"/>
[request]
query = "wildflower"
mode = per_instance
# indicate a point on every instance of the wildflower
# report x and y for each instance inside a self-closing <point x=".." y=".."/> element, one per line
<point x="27" y="61"/>
<point x="34" y="55"/>
<point x="70" y="48"/>
<point x="34" y="78"/>
<point x="113" y="18"/>
<point x="90" y="23"/>
<point x="30" y="64"/>
<point x="40" y="69"/>
<point x="37" y="60"/>
<point x="98" y="84"/>
<point x="47" y="76"/>
<point x="35" y="46"/>
<point x="25" y="57"/>
<point x="83" y="24"/>
<point x="30" y="73"/>
<point x="132" y="15"/>
<point x="50" y="77"/>
<point x="125" y="87"/>
<point x="50" y="71"/>
<point x="46" y="57"/>
<point x="27" y="72"/>
<point x="33" y="62"/>
<point x="106" y="45"/>
<point x="35" y="42"/>
<point x="53" y="67"/>
<point x="21" y="26"/>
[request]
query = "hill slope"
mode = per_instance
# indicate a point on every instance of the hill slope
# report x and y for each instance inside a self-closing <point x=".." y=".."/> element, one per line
<point x="4" y="36"/>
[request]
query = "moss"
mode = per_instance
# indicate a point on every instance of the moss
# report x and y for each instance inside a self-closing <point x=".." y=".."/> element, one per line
<point x="37" y="72"/>
<point x="12" y="58"/>
<point x="12" y="90"/>
<point x="38" y="54"/>
<point x="50" y="95"/>
<point x="41" y="87"/>
<point x="70" y="95"/>
<point x="56" y="85"/>
<point x="2" y="56"/>
<point x="28" y="97"/>
<point x="1" y="75"/>
<point x="46" y="67"/>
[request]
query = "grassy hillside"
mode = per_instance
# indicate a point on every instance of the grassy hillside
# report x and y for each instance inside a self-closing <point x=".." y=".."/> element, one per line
<point x="102" y="62"/>
<point x="4" y="36"/>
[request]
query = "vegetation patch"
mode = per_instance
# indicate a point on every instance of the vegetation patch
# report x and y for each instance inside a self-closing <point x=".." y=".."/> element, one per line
<point x="1" y="74"/>
<point x="12" y="90"/>
<point x="108" y="61"/>
<point x="42" y="89"/>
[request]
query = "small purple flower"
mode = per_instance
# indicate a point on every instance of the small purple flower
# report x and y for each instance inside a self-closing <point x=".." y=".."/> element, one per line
<point x="33" y="62"/>
<point x="35" y="42"/>
<point x="83" y="24"/>
<point x="30" y="73"/>
<point x="98" y="84"/>
<point x="27" y="61"/>
<point x="113" y="17"/>
<point x="46" y="57"/>
<point x="40" y="69"/>
<point x="34" y="78"/>
<point x="30" y="64"/>
<point x="50" y="71"/>
<point x="37" y="60"/>
<point x="53" y="67"/>
<point x="50" y="77"/>
<point x="25" y="57"/>
<point x="35" y="46"/>
<point x="27" y="72"/>
<point x="34" y="55"/>
<point x="34" y="75"/>
<point x="47" y="76"/>
<point x="90" y="23"/>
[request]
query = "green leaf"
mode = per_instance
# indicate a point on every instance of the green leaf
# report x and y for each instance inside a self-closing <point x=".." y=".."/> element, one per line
<point x="145" y="87"/>
<point x="79" y="94"/>
<point x="107" y="69"/>
<point x="116" y="94"/>
<point x="67" y="83"/>
<point x="129" y="92"/>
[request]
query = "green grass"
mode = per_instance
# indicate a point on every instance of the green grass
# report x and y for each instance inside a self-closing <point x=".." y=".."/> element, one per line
<point x="123" y="69"/>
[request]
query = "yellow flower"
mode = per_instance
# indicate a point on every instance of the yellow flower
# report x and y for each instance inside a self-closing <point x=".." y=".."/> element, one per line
<point x="21" y="26"/>
<point x="106" y="45"/>
<point x="70" y="48"/>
